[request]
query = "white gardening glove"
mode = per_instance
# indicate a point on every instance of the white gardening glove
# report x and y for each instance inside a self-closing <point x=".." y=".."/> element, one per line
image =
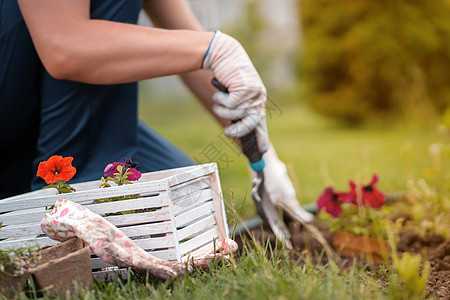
<point x="246" y="97"/>
<point x="279" y="187"/>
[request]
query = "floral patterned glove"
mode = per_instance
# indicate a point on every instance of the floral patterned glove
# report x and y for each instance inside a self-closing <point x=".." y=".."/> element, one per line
<point x="246" y="97"/>
<point x="69" y="219"/>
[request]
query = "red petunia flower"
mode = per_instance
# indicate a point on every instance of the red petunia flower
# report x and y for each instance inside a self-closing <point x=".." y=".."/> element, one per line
<point x="367" y="195"/>
<point x="55" y="168"/>
<point x="331" y="201"/>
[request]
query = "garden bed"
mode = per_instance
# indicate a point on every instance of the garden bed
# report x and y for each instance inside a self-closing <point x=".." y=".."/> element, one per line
<point x="435" y="247"/>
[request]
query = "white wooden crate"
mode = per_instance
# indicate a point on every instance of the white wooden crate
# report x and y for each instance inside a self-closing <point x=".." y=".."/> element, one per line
<point x="180" y="212"/>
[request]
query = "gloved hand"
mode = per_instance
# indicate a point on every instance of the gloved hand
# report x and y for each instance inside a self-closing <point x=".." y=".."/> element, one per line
<point x="246" y="97"/>
<point x="280" y="189"/>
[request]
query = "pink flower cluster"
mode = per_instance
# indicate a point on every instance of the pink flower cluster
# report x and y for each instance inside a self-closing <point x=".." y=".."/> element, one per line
<point x="111" y="169"/>
<point x="366" y="195"/>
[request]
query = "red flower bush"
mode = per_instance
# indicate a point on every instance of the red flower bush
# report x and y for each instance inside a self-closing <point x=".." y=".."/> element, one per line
<point x="56" y="168"/>
<point x="359" y="195"/>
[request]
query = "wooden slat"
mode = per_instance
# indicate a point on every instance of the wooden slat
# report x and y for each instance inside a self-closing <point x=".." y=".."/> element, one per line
<point x="15" y="231"/>
<point x="206" y="249"/>
<point x="167" y="241"/>
<point x="162" y="214"/>
<point x="195" y="228"/>
<point x="132" y="204"/>
<point x="164" y="174"/>
<point x="192" y="174"/>
<point x="198" y="241"/>
<point x="219" y="207"/>
<point x="147" y="229"/>
<point x="32" y="215"/>
<point x="115" y="191"/>
<point x="186" y="217"/>
<point x="35" y="215"/>
<point x="146" y="244"/>
<point x="189" y="187"/>
<point x="190" y="201"/>
<point x="33" y="229"/>
<point x="26" y="242"/>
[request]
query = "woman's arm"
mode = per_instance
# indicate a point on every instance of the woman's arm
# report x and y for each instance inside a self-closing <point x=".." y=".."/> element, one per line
<point x="74" y="47"/>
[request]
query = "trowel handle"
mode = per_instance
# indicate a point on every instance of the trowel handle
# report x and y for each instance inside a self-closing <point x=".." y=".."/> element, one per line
<point x="249" y="143"/>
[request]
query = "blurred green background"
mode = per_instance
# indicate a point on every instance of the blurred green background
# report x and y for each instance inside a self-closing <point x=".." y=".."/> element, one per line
<point x="355" y="88"/>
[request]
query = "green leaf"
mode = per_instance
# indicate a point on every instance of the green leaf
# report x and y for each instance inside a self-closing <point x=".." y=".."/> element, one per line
<point x="49" y="186"/>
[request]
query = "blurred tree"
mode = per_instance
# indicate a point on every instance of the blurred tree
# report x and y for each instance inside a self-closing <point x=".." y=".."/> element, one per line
<point x="375" y="59"/>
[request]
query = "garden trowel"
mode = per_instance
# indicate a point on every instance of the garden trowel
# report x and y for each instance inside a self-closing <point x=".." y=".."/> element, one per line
<point x="265" y="207"/>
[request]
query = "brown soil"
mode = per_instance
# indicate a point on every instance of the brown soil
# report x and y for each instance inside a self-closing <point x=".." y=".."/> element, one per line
<point x="434" y="247"/>
<point x="437" y="250"/>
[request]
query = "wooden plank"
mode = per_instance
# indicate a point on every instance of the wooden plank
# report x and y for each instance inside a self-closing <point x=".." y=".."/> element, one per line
<point x="206" y="249"/>
<point x="164" y="174"/>
<point x="219" y="207"/>
<point x="16" y="231"/>
<point x="147" y="244"/>
<point x="186" y="217"/>
<point x="197" y="227"/>
<point x="190" y="187"/>
<point x="192" y="174"/>
<point x="132" y="204"/>
<point x="26" y="242"/>
<point x="147" y="229"/>
<point x="162" y="214"/>
<point x="115" y="191"/>
<point x="199" y="240"/>
<point x="33" y="215"/>
<point x="190" y="201"/>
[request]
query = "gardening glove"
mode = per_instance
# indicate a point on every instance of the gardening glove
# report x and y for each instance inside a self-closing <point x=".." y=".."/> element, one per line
<point x="246" y="95"/>
<point x="69" y="219"/>
<point x="280" y="189"/>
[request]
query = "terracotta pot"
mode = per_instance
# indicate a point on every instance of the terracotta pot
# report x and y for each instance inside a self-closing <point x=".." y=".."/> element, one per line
<point x="62" y="265"/>
<point x="370" y="248"/>
<point x="10" y="285"/>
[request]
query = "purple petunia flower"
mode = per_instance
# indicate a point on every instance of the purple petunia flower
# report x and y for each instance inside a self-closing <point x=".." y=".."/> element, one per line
<point x="111" y="169"/>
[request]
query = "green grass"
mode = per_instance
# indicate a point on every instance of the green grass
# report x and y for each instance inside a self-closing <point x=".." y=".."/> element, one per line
<point x="254" y="276"/>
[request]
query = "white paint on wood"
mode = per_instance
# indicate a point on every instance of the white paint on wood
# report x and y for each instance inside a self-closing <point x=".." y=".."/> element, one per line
<point x="191" y="201"/>
<point x="196" y="228"/>
<point x="204" y="209"/>
<point x="147" y="229"/>
<point x="198" y="241"/>
<point x="153" y="243"/>
<point x="219" y="207"/>
<point x="189" y="187"/>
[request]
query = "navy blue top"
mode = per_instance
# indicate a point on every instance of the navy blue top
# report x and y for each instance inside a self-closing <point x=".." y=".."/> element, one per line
<point x="41" y="116"/>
